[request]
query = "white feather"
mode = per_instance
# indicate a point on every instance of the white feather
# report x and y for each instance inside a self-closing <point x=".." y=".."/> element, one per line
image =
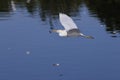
<point x="67" y="22"/>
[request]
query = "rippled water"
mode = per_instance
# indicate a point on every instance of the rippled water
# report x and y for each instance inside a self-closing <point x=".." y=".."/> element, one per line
<point x="29" y="52"/>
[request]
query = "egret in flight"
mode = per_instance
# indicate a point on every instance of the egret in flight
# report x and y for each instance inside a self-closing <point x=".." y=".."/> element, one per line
<point x="70" y="28"/>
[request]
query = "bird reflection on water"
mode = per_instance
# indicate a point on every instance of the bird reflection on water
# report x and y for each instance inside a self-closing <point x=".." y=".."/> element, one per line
<point x="71" y="29"/>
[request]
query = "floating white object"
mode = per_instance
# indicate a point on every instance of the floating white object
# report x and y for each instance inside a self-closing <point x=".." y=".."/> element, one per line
<point x="27" y="52"/>
<point x="56" y="64"/>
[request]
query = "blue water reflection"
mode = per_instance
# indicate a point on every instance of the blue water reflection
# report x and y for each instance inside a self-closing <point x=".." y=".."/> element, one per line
<point x="28" y="51"/>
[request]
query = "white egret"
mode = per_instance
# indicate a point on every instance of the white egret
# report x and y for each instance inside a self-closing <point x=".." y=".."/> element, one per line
<point x="70" y="28"/>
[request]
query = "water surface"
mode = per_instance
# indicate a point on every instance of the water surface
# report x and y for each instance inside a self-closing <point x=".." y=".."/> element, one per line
<point x="28" y="51"/>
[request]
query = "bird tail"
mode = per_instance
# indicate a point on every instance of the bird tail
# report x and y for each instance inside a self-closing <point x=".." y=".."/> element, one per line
<point x="89" y="37"/>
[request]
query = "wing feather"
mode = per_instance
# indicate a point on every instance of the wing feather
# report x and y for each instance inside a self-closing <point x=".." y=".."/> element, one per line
<point x="67" y="22"/>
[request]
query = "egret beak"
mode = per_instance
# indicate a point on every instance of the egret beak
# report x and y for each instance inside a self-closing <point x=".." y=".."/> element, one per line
<point x="53" y="30"/>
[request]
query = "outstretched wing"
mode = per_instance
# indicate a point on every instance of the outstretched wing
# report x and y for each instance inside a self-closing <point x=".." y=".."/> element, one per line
<point x="67" y="22"/>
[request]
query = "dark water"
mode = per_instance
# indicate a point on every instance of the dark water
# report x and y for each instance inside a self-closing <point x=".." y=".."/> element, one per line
<point x="29" y="52"/>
